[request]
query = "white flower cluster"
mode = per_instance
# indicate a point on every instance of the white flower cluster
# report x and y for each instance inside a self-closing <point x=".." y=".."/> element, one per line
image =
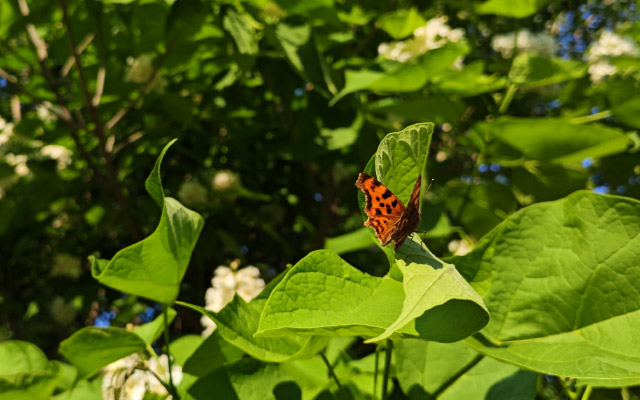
<point x="434" y="34"/>
<point x="524" y="41"/>
<point x="226" y="282"/>
<point x="225" y="181"/>
<point x="6" y="131"/>
<point x="140" y="70"/>
<point x="131" y="378"/>
<point x="608" y="45"/>
<point x="191" y="193"/>
<point x="459" y="247"/>
<point x="43" y="110"/>
<point x="59" y="153"/>
<point x="19" y="163"/>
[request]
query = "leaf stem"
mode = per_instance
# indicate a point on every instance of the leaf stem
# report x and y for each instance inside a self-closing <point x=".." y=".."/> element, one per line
<point x="387" y="369"/>
<point x="332" y="373"/>
<point x="587" y="393"/>
<point x="375" y="372"/>
<point x="166" y="343"/>
<point x="511" y="92"/>
<point x="590" y="118"/>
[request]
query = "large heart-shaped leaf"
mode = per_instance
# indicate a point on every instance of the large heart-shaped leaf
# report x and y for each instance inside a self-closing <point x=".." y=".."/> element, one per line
<point x="438" y="303"/>
<point x="561" y="282"/>
<point x="91" y="348"/>
<point x="154" y="267"/>
<point x="324" y="295"/>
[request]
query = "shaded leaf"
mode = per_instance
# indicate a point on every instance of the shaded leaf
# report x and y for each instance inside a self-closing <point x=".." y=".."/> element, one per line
<point x="455" y="371"/>
<point x="91" y="348"/>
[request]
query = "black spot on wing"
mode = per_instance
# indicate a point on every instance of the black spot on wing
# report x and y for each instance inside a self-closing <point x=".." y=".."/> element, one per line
<point x="387" y="194"/>
<point x="394" y="203"/>
<point x="378" y="198"/>
<point x="376" y="183"/>
<point x="388" y="210"/>
<point x="378" y="212"/>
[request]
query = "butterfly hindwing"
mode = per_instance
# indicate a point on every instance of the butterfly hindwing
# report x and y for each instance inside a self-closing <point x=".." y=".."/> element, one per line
<point x="410" y="218"/>
<point x="383" y="208"/>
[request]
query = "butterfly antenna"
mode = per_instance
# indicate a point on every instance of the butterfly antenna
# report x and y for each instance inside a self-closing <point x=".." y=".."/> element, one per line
<point x="430" y="183"/>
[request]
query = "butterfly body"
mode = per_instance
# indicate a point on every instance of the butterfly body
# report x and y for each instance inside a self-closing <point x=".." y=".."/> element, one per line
<point x="386" y="214"/>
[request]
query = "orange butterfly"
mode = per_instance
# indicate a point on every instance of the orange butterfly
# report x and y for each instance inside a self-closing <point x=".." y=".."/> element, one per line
<point x="387" y="215"/>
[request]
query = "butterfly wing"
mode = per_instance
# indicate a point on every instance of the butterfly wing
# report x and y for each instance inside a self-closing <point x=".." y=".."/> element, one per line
<point x="382" y="207"/>
<point x="410" y="218"/>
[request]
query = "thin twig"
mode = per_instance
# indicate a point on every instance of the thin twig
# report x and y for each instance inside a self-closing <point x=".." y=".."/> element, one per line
<point x="332" y="373"/>
<point x="387" y="369"/>
<point x="166" y="340"/>
<point x="102" y="52"/>
<point x="66" y="67"/>
<point x="375" y="372"/>
<point x="457" y="376"/>
<point x="16" y="113"/>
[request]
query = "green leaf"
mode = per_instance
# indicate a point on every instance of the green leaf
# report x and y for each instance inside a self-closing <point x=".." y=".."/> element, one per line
<point x="402" y="156"/>
<point x="551" y="140"/>
<point x="300" y="48"/>
<point x="250" y="379"/>
<point x="510" y="8"/>
<point x="154" y="267"/>
<point x="83" y="390"/>
<point x="352" y="241"/>
<point x="213" y="352"/>
<point x="150" y="331"/>
<point x="238" y="321"/>
<point x="532" y="70"/>
<point x="628" y="112"/>
<point x="433" y="107"/>
<point x="560" y="281"/>
<point x="25" y="372"/>
<point x="455" y="371"/>
<point x="21" y="357"/>
<point x="183" y="347"/>
<point x="439" y="304"/>
<point x="91" y="348"/>
<point x="324" y="295"/>
<point x="153" y="184"/>
<point x="470" y="81"/>
<point x="241" y="31"/>
<point x="403" y="77"/>
<point x="401" y="23"/>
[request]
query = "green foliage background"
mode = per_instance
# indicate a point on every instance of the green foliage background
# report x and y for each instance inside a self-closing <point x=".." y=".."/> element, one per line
<point x="277" y="106"/>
